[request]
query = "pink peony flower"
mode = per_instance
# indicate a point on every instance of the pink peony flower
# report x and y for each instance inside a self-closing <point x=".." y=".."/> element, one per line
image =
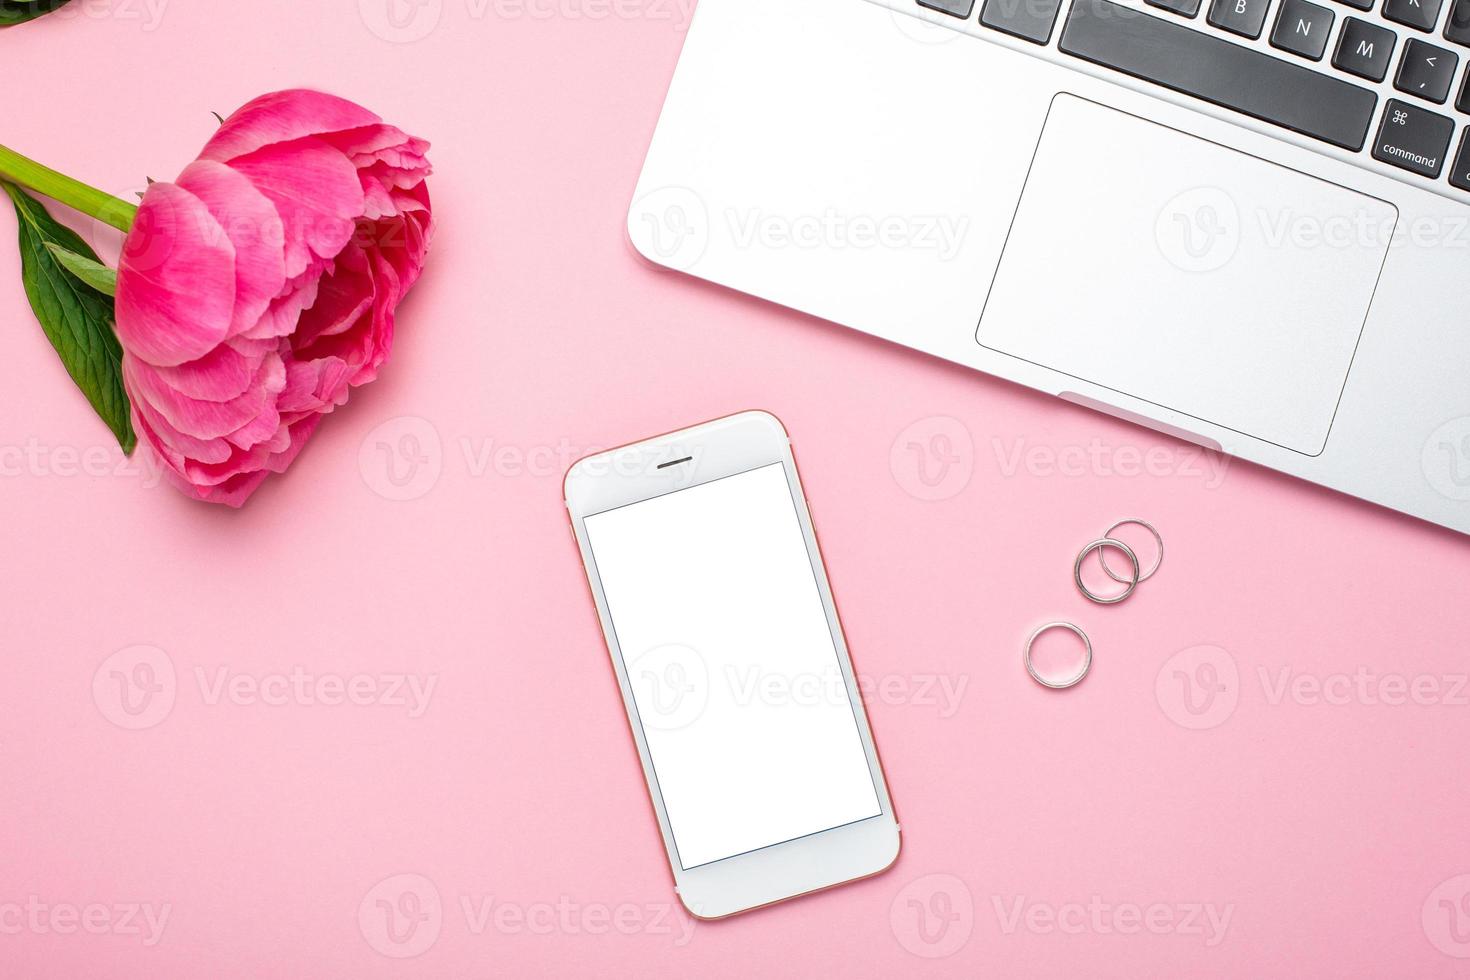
<point x="259" y="288"/>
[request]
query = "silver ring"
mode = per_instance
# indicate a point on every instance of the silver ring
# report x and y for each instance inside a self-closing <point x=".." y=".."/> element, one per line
<point x="1086" y="662"/>
<point x="1102" y="556"/>
<point x="1098" y="546"/>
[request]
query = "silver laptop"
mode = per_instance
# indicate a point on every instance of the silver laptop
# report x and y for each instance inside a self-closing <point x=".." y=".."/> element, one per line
<point x="1245" y="223"/>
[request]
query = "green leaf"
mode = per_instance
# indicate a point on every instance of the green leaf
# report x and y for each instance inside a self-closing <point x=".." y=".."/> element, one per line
<point x="77" y="319"/>
<point x="14" y="12"/>
<point x="89" y="271"/>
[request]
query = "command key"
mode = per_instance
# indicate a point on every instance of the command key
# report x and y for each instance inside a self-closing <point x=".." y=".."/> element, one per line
<point x="1413" y="138"/>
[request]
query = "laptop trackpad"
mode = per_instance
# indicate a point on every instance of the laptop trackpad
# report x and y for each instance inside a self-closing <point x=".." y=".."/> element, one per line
<point x="1187" y="274"/>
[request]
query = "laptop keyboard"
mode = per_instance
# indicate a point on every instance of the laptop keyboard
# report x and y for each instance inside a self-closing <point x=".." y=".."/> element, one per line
<point x="1310" y="81"/>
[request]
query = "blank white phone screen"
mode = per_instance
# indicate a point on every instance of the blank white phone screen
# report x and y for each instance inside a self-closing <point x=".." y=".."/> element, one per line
<point x="735" y="675"/>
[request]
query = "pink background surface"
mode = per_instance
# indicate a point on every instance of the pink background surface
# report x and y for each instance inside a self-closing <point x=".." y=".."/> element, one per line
<point x="1332" y="835"/>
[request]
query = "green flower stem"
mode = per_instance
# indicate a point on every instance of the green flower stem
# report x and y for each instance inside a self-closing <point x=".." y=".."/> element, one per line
<point x="60" y="187"/>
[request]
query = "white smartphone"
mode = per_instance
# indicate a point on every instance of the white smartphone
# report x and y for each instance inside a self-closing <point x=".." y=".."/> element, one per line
<point x="732" y="664"/>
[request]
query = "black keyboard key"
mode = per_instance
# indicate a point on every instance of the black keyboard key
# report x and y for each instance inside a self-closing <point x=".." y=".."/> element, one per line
<point x="1426" y="71"/>
<point x="1243" y="17"/>
<point x="1463" y="102"/>
<point x="1457" y="28"/>
<point x="1421" y="14"/>
<point x="955" y="8"/>
<point x="1219" y="71"/>
<point x="1189" y="8"/>
<point x="1365" y="49"/>
<point x="1302" y="28"/>
<point x="1030" y="20"/>
<point x="1460" y="169"/>
<point x="1360" y="4"/>
<point x="1413" y="138"/>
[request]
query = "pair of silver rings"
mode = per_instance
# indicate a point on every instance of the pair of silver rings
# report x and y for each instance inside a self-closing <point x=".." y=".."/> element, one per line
<point x="1130" y="583"/>
<point x="1101" y="546"/>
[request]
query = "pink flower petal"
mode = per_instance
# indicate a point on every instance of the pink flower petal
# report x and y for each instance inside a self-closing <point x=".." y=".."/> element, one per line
<point x="285" y="310"/>
<point x="343" y="297"/>
<point x="254" y="228"/>
<point x="281" y="117"/>
<point x="316" y="192"/>
<point x="318" y="385"/>
<point x="181" y="445"/>
<point x="175" y="279"/>
<point x="220" y="375"/>
<point x="206" y="419"/>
